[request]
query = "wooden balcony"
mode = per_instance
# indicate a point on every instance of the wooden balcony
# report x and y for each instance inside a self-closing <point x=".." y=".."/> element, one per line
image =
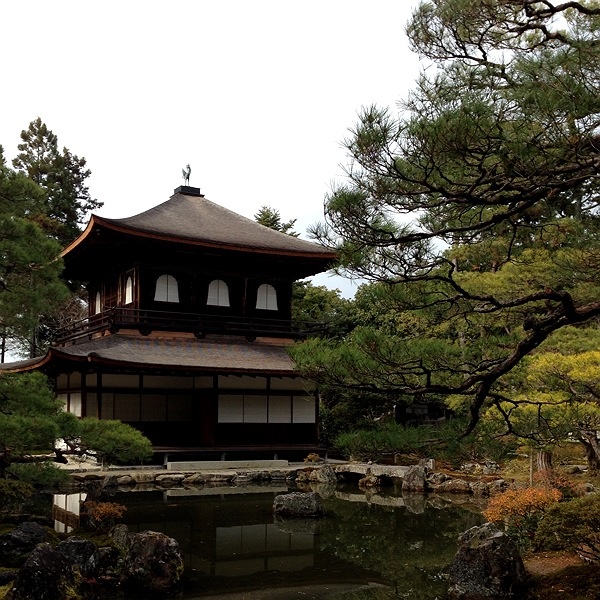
<point x="147" y="321"/>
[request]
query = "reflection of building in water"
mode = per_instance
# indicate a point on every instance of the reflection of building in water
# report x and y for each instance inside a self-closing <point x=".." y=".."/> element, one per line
<point x="247" y="549"/>
<point x="229" y="534"/>
<point x="65" y="511"/>
<point x="218" y="539"/>
<point x="233" y="546"/>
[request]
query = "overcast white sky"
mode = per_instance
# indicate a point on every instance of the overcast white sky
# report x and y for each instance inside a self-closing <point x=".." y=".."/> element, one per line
<point x="255" y="95"/>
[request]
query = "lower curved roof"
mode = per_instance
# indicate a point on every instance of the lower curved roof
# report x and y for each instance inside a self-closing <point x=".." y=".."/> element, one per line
<point x="217" y="354"/>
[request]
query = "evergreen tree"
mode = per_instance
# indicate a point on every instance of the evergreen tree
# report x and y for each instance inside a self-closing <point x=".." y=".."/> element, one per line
<point x="477" y="206"/>
<point x="29" y="264"/>
<point x="32" y="421"/>
<point x="62" y="175"/>
<point x="270" y="217"/>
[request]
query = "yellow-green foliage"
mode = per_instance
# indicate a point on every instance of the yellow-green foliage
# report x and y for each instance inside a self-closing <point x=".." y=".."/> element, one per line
<point x="572" y="525"/>
<point x="556" y="395"/>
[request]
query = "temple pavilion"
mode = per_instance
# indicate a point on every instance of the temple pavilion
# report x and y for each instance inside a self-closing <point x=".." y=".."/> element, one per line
<point x="187" y="333"/>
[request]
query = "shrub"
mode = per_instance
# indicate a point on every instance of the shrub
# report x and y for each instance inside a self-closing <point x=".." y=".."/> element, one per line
<point x="520" y="510"/>
<point x="114" y="442"/>
<point x="41" y="474"/>
<point x="102" y="516"/>
<point x="573" y="525"/>
<point x="443" y="442"/>
<point x="13" y="494"/>
<point x="555" y="479"/>
<point x="383" y="440"/>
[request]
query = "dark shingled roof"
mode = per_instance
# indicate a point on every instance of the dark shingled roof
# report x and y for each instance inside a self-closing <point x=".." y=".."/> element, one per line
<point x="198" y="220"/>
<point x="233" y="355"/>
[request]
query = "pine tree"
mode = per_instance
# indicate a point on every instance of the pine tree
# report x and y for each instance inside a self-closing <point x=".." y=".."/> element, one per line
<point x="476" y="204"/>
<point x="29" y="265"/>
<point x="271" y="218"/>
<point x="62" y="175"/>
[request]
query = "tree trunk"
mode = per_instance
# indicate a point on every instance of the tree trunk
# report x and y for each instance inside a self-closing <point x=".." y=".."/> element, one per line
<point x="589" y="439"/>
<point x="544" y="460"/>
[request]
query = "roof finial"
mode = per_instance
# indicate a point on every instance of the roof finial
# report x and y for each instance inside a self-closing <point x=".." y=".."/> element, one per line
<point x="186" y="174"/>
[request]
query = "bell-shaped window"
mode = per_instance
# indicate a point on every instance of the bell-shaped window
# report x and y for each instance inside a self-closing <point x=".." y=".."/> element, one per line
<point x="218" y="293"/>
<point x="128" y="291"/>
<point x="266" y="297"/>
<point x="167" y="289"/>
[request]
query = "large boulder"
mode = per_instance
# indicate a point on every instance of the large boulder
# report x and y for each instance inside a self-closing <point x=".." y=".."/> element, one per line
<point x="18" y="543"/>
<point x="92" y="562"/>
<point x="454" y="486"/>
<point x="153" y="562"/>
<point x="46" y="575"/>
<point x="298" y="504"/>
<point x="415" y="479"/>
<point x="80" y="553"/>
<point x="325" y="474"/>
<point x="487" y="566"/>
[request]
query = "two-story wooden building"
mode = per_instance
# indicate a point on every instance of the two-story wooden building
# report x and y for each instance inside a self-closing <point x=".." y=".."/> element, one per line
<point x="189" y="321"/>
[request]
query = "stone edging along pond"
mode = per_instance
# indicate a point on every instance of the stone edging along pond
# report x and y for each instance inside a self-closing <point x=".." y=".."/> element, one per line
<point x="417" y="478"/>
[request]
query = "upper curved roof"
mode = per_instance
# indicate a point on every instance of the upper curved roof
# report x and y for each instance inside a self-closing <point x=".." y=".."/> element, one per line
<point x="189" y="217"/>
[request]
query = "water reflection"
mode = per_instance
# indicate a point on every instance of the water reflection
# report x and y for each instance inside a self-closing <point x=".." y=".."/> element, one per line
<point x="370" y="545"/>
<point x="65" y="511"/>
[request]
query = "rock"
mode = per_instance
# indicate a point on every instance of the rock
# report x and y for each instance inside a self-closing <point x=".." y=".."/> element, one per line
<point x="303" y="475"/>
<point x="454" y="486"/>
<point x="153" y="563"/>
<point x="8" y="575"/>
<point x="368" y="481"/>
<point x="491" y="468"/>
<point x="572" y="470"/>
<point x="415" y="479"/>
<point x="472" y="469"/>
<point x="121" y="536"/>
<point x="46" y="575"/>
<point x="195" y="478"/>
<point x="125" y="480"/>
<point x="587" y="488"/>
<point x="325" y="474"/>
<point x="415" y="503"/>
<point x="170" y="479"/>
<point x="487" y="566"/>
<point x="298" y="504"/>
<point x="15" y="545"/>
<point x="437" y="478"/>
<point x="279" y="475"/>
<point x="428" y="463"/>
<point x="142" y="477"/>
<point x="480" y="488"/>
<point x="498" y="485"/>
<point x="81" y="553"/>
<point x="221" y="477"/>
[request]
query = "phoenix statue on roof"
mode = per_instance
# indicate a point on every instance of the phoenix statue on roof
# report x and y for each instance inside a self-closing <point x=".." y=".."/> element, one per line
<point x="186" y="174"/>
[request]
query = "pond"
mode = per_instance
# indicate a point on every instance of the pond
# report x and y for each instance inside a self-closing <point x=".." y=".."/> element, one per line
<point x="370" y="546"/>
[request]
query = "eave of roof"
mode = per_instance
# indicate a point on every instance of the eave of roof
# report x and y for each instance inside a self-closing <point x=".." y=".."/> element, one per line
<point x="197" y="221"/>
<point x="231" y="355"/>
